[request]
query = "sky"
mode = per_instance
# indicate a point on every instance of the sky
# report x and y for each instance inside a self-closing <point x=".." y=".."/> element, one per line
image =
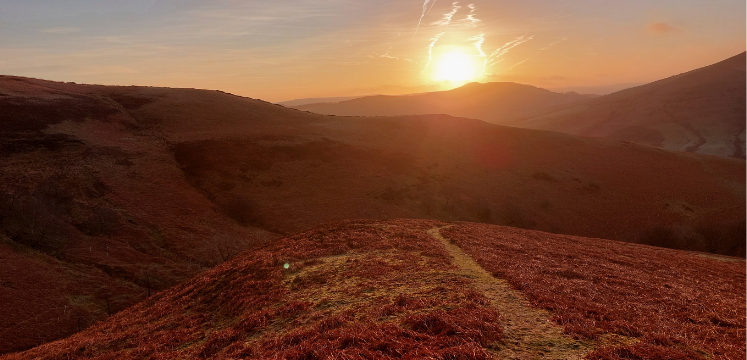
<point x="286" y="49"/>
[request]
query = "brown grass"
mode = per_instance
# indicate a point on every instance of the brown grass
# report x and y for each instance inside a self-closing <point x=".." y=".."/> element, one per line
<point x="677" y="304"/>
<point x="352" y="290"/>
<point x="150" y="147"/>
<point x="528" y="332"/>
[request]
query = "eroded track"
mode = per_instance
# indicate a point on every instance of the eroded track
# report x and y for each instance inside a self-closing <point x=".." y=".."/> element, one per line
<point x="528" y="332"/>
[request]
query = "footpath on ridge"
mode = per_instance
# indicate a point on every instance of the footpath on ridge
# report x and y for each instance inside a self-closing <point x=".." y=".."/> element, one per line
<point x="528" y="332"/>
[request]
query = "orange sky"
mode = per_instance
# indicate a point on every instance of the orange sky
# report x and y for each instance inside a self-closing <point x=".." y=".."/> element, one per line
<point x="284" y="49"/>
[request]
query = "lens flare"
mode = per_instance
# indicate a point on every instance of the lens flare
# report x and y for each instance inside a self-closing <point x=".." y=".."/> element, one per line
<point x="456" y="66"/>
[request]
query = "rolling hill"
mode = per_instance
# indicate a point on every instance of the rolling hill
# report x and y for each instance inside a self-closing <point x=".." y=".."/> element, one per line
<point x="94" y="213"/>
<point x="108" y="194"/>
<point x="701" y="111"/>
<point x="492" y="102"/>
<point x="365" y="289"/>
<point x="306" y="101"/>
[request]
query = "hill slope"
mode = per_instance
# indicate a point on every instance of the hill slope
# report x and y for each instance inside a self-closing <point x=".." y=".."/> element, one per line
<point x="94" y="212"/>
<point x="368" y="289"/>
<point x="492" y="102"/>
<point x="109" y="193"/>
<point x="700" y="111"/>
<point x="307" y="101"/>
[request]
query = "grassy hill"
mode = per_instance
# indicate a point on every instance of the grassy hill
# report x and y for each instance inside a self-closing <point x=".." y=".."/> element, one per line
<point x="411" y="289"/>
<point x="495" y="102"/>
<point x="109" y="194"/>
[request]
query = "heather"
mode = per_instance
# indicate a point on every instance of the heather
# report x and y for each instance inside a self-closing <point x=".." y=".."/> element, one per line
<point x="658" y="303"/>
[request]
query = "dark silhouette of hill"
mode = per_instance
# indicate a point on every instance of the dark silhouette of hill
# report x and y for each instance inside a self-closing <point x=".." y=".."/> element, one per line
<point x="701" y="111"/>
<point x="492" y="102"/>
<point x="427" y="289"/>
<point x="108" y="194"/>
<point x="306" y="101"/>
<point x="599" y="90"/>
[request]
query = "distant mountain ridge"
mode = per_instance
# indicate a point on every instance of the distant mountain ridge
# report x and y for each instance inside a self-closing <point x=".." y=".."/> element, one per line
<point x="701" y="111"/>
<point x="598" y="89"/>
<point x="492" y="102"/>
<point x="306" y="101"/>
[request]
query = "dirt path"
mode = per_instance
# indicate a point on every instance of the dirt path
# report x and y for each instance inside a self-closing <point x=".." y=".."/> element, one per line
<point x="528" y="332"/>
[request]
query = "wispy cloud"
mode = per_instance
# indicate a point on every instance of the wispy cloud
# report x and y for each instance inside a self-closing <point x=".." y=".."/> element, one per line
<point x="448" y="16"/>
<point x="430" y="49"/>
<point x="479" y="40"/>
<point x="386" y="55"/>
<point x="60" y="30"/>
<point x="553" y="44"/>
<point x="660" y="28"/>
<point x="499" y="52"/>
<point x="515" y="65"/>
<point x="471" y="19"/>
<point x="422" y="14"/>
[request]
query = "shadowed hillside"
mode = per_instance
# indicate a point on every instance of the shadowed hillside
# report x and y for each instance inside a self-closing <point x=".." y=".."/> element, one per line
<point x="94" y="211"/>
<point x="405" y="289"/>
<point x="701" y="111"/>
<point x="108" y="194"/>
<point x="492" y="102"/>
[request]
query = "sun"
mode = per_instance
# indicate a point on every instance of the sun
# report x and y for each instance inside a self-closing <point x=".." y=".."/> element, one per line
<point x="456" y="66"/>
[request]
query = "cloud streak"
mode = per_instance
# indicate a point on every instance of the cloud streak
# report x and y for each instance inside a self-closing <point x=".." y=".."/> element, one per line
<point x="494" y="57"/>
<point x="478" y="41"/>
<point x="422" y="14"/>
<point x="471" y="19"/>
<point x="430" y="49"/>
<point x="377" y="56"/>
<point x="660" y="28"/>
<point x="553" y="44"/>
<point x="448" y="16"/>
<point x="517" y="64"/>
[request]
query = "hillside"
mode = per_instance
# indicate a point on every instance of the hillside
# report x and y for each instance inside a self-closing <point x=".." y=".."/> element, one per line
<point x="365" y="289"/>
<point x="307" y="101"/>
<point x="492" y="102"/>
<point x="94" y="212"/>
<point x="701" y="111"/>
<point x="108" y="194"/>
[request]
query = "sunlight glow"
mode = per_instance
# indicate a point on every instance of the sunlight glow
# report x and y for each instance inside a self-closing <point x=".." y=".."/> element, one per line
<point x="456" y="66"/>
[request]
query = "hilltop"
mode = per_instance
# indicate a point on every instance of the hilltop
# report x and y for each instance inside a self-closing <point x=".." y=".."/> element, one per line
<point x="418" y="288"/>
<point x="701" y="111"/>
<point x="493" y="102"/>
<point x="109" y="194"/>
